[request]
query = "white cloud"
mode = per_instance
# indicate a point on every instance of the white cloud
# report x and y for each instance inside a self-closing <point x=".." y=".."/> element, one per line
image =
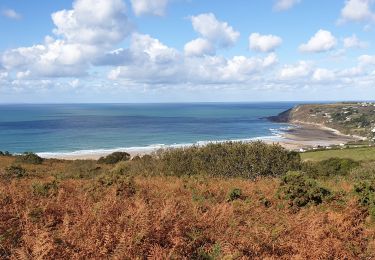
<point x="199" y="47"/>
<point x="83" y="40"/>
<point x="354" y="42"/>
<point x="10" y="13"/>
<point x="366" y="60"/>
<point x="282" y="5"/>
<point x="23" y="74"/>
<point x="150" y="59"/>
<point x="322" y="41"/>
<point x="109" y="27"/>
<point x="302" y="69"/>
<point x="156" y="63"/>
<point x="264" y="43"/>
<point x="53" y="59"/>
<point x="357" y="10"/>
<point x="323" y="75"/>
<point x="215" y="31"/>
<point x="154" y="7"/>
<point x="156" y="51"/>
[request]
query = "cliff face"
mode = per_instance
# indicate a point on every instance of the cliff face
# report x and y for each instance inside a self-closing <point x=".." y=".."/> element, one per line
<point x="348" y="118"/>
<point x="283" y="117"/>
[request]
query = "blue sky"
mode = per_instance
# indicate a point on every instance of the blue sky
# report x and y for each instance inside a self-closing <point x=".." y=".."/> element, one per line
<point x="186" y="50"/>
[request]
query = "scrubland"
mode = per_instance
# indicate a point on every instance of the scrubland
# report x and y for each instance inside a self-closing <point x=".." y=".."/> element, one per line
<point x="222" y="201"/>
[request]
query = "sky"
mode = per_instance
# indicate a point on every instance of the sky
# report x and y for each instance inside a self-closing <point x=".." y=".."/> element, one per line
<point x="122" y="51"/>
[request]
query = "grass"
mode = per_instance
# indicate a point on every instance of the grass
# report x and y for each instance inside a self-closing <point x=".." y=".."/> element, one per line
<point x="357" y="154"/>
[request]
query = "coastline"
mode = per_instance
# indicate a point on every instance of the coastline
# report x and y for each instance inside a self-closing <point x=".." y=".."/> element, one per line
<point x="298" y="136"/>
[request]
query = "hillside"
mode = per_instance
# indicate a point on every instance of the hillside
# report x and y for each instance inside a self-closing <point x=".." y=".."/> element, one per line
<point x="349" y="118"/>
<point x="223" y="201"/>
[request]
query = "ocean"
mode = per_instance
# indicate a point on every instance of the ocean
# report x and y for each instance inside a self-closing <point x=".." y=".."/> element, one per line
<point x="50" y="129"/>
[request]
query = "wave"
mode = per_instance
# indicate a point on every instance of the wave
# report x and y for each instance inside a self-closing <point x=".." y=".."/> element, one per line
<point x="276" y="136"/>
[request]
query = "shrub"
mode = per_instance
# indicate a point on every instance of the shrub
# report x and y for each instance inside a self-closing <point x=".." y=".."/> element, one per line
<point x="114" y="158"/>
<point x="15" y="171"/>
<point x="365" y="172"/>
<point x="329" y="167"/>
<point x="6" y="153"/>
<point x="231" y="159"/>
<point x="146" y="165"/>
<point x="124" y="185"/>
<point x="81" y="169"/>
<point x="365" y="191"/>
<point x="30" y="158"/>
<point x="301" y="191"/>
<point x="234" y="194"/>
<point x="45" y="189"/>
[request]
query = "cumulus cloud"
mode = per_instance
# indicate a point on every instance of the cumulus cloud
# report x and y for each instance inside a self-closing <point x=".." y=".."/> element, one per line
<point x="322" y="41"/>
<point x="282" y="5"/>
<point x="109" y="27"/>
<point x="264" y="43"/>
<point x="357" y="10"/>
<point x="12" y="14"/>
<point x="52" y="59"/>
<point x="83" y="39"/>
<point x="354" y="42"/>
<point x="321" y="74"/>
<point x="157" y="63"/>
<point x="154" y="7"/>
<point x="301" y="69"/>
<point x="366" y="60"/>
<point x="214" y="30"/>
<point x="199" y="47"/>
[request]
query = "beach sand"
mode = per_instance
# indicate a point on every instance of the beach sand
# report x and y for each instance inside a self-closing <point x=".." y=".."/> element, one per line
<point x="299" y="136"/>
<point x="307" y="136"/>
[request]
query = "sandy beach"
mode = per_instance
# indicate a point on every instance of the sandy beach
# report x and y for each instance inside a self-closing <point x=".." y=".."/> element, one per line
<point x="307" y="136"/>
<point x="299" y="136"/>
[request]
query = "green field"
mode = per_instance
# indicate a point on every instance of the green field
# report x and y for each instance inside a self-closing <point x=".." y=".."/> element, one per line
<point x="357" y="154"/>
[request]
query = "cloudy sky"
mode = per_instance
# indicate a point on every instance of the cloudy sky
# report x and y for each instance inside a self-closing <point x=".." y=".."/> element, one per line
<point x="186" y="50"/>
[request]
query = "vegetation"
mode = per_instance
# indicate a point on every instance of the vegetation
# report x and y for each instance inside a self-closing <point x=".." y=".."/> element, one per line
<point x="329" y="167"/>
<point x="356" y="154"/>
<point x="6" y="153"/>
<point x="223" y="201"/>
<point x="29" y="157"/>
<point x="15" y="171"/>
<point x="354" y="118"/>
<point x="230" y="159"/>
<point x="301" y="191"/>
<point x="114" y="158"/>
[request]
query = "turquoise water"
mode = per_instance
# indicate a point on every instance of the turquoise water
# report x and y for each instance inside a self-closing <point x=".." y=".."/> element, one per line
<point x="65" y="128"/>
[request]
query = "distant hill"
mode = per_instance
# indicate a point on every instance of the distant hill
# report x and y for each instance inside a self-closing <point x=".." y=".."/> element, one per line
<point x="357" y="118"/>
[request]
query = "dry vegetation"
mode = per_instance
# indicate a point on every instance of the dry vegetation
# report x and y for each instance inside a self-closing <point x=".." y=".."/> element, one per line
<point x="86" y="210"/>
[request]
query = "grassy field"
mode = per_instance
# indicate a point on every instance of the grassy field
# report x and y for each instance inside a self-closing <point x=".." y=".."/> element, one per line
<point x="357" y="154"/>
<point x="141" y="209"/>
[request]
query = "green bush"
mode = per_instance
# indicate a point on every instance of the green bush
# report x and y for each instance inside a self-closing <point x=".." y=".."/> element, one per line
<point x="114" y="158"/>
<point x="231" y="159"/>
<point x="30" y="158"/>
<point x="365" y="172"/>
<point x="6" y="153"/>
<point x="329" y="167"/>
<point x="234" y="194"/>
<point x="365" y="190"/>
<point x="45" y="189"/>
<point x="15" y="171"/>
<point x="301" y="191"/>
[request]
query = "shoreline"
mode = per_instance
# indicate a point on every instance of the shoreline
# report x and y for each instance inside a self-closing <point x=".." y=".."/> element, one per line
<point x="298" y="136"/>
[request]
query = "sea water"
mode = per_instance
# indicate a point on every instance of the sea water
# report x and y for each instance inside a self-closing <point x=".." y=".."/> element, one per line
<point x="75" y="128"/>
